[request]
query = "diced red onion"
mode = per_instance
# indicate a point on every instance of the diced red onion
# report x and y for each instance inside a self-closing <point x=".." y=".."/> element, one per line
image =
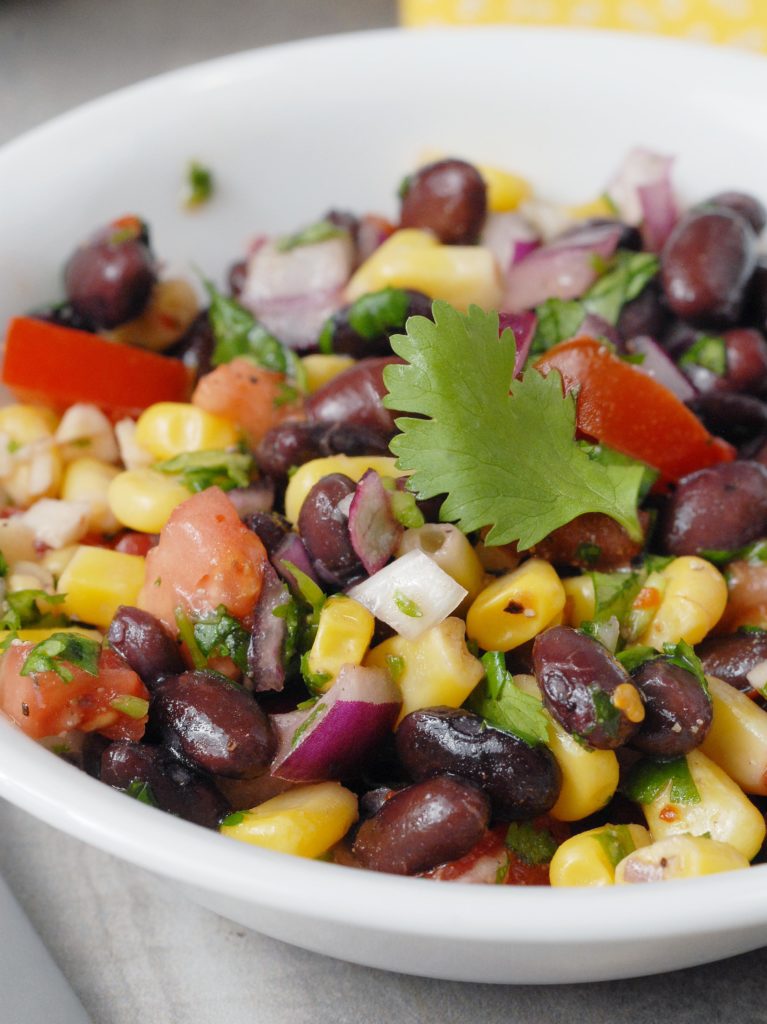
<point x="594" y="326"/>
<point x="411" y="595"/>
<point x="292" y="293"/>
<point x="562" y="269"/>
<point x="292" y="550"/>
<point x="266" y="668"/>
<point x="510" y="237"/>
<point x="523" y="325"/>
<point x="341" y="731"/>
<point x="642" y="192"/>
<point x="373" y="531"/>
<point x="658" y="365"/>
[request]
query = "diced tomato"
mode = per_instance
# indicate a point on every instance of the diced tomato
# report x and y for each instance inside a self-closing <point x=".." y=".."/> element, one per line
<point x="205" y="558"/>
<point x="631" y="412"/>
<point x="255" y="399"/>
<point x="58" y="366"/>
<point x="44" y="704"/>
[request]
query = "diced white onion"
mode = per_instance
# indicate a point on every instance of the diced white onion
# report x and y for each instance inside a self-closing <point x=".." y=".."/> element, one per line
<point x="57" y="523"/>
<point x="414" y="582"/>
<point x="758" y="675"/>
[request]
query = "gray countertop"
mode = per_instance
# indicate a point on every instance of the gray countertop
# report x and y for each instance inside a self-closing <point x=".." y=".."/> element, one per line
<point x="134" y="948"/>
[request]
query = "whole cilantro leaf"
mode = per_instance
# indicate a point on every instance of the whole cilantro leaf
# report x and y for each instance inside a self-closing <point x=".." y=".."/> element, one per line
<point x="507" y="461"/>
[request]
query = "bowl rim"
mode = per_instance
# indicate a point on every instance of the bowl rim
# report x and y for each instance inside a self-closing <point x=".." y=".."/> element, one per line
<point x="70" y="800"/>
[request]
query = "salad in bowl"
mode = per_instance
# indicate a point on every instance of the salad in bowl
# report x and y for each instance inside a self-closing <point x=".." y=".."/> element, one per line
<point x="433" y="545"/>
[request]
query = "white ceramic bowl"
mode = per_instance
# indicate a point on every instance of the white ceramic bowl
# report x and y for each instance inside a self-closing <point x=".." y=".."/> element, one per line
<point x="291" y="131"/>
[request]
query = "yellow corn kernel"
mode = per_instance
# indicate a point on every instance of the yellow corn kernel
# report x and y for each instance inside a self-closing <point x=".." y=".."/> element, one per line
<point x="590" y="858"/>
<point x="172" y="307"/>
<point x="737" y="739"/>
<point x="306" y="821"/>
<point x="320" y="369"/>
<point x="56" y="560"/>
<point x="450" y="549"/>
<point x="516" y="607"/>
<point x="25" y="424"/>
<point x="723" y="812"/>
<point x="459" y="274"/>
<point x="437" y="668"/>
<point x="35" y="473"/>
<point x="599" y="207"/>
<point x="694" y="598"/>
<point x="354" y="466"/>
<point x="505" y="191"/>
<point x="678" y="857"/>
<point x="97" y="581"/>
<point x="343" y="636"/>
<point x="589" y="777"/>
<point x="88" y="480"/>
<point x="143" y="499"/>
<point x="167" y="429"/>
<point x="580" y="602"/>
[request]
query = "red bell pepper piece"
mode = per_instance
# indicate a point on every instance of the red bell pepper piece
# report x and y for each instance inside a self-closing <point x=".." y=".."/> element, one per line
<point x="57" y="366"/>
<point x="628" y="410"/>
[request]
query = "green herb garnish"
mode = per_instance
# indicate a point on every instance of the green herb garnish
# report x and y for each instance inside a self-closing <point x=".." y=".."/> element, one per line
<point x="235" y="818"/>
<point x="708" y="352"/>
<point x="370" y="316"/>
<point x="133" y="707"/>
<point x="505" y="706"/>
<point x="683" y="656"/>
<point x="186" y="632"/>
<point x="142" y="792"/>
<point x="507" y="461"/>
<point x="21" y="610"/>
<point x="650" y="777"/>
<point x="199" y="185"/>
<point x="625" y="276"/>
<point x="61" y="650"/>
<point x="319" y="232"/>
<point x="606" y="715"/>
<point x="396" y="666"/>
<point x="616" y="841"/>
<point x="200" y="470"/>
<point x="557" y="320"/>
<point x="223" y="636"/>
<point x="310" y="719"/>
<point x="633" y="657"/>
<point x="530" y="844"/>
<point x="407" y="605"/>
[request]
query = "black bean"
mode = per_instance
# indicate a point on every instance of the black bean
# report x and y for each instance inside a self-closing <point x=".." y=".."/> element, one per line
<point x="423" y="826"/>
<point x="213" y="725"/>
<point x="285" y="446"/>
<point x="730" y="658"/>
<point x="706" y="265"/>
<point x="145" y="644"/>
<point x="742" y="203"/>
<point x="352" y="439"/>
<point x="448" y="197"/>
<point x="645" y="315"/>
<point x="755" y="312"/>
<point x="270" y="527"/>
<point x="720" y="508"/>
<point x="355" y="397"/>
<point x="108" y="280"/>
<point x="521" y="781"/>
<point x="324" y="529"/>
<point x="579" y="679"/>
<point x="173" y="786"/>
<point x="398" y="303"/>
<point x="737" y="418"/>
<point x="266" y="667"/>
<point x="678" y="711"/>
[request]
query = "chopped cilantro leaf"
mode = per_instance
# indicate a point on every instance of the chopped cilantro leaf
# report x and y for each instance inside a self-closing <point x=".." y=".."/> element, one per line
<point x="22" y="610"/>
<point x="133" y="707"/>
<point x="200" y="470"/>
<point x="649" y="778"/>
<point x="199" y="185"/>
<point x="607" y="716"/>
<point x="633" y="657"/>
<point x="222" y="635"/>
<point x="142" y="792"/>
<point x="315" y="681"/>
<point x="606" y="633"/>
<point x="407" y="605"/>
<point x="3" y="565"/>
<point x="507" y="461"/>
<point x="755" y="554"/>
<point x="588" y="553"/>
<point x="624" y="277"/>
<point x="530" y="844"/>
<point x="235" y="818"/>
<point x="311" y="718"/>
<point x="557" y="320"/>
<point x="238" y="333"/>
<point x="319" y="232"/>
<point x="683" y="656"/>
<point x="396" y="666"/>
<point x="186" y="632"/>
<point x="61" y="650"/>
<point x="505" y="706"/>
<point x="708" y="352"/>
<point x="289" y="612"/>
<point x="614" y="593"/>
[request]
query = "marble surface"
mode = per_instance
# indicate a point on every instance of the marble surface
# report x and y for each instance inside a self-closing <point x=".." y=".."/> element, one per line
<point x="133" y="948"/>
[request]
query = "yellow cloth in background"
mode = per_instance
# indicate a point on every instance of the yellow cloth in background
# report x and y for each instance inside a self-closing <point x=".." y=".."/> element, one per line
<point x="735" y="22"/>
